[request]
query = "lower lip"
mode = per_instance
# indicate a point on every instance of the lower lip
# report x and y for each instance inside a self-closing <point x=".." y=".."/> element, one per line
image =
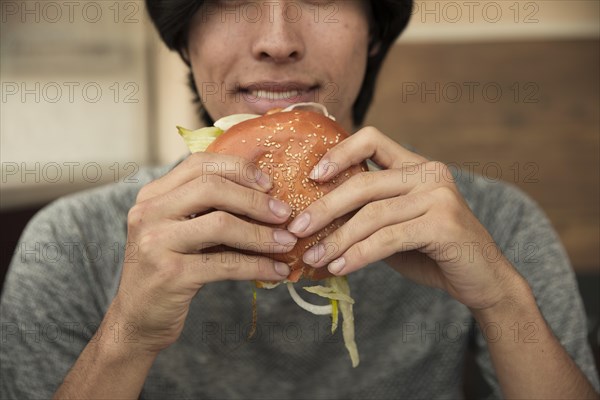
<point x="260" y="104"/>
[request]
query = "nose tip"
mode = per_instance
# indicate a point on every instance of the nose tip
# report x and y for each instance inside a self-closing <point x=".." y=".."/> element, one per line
<point x="279" y="56"/>
<point x="279" y="41"/>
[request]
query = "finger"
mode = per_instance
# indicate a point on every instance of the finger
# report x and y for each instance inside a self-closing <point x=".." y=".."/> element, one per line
<point x="213" y="267"/>
<point x="417" y="267"/>
<point x="233" y="168"/>
<point x="219" y="227"/>
<point x="357" y="191"/>
<point x="371" y="218"/>
<point x="364" y="144"/>
<point x="211" y="192"/>
<point x="381" y="244"/>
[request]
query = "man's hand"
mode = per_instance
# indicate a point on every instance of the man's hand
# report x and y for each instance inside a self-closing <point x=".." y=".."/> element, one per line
<point x="167" y="265"/>
<point x="171" y="228"/>
<point x="411" y="212"/>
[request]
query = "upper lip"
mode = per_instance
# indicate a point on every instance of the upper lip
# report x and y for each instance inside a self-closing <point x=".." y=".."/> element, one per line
<point x="278" y="86"/>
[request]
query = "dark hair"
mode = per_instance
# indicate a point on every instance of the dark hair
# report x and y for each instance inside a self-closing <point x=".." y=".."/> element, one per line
<point x="172" y="20"/>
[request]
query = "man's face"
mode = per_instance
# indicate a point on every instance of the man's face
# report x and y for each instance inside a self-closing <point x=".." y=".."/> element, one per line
<point x="251" y="56"/>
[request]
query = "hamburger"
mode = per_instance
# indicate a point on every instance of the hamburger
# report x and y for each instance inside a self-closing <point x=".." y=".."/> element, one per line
<point x="286" y="144"/>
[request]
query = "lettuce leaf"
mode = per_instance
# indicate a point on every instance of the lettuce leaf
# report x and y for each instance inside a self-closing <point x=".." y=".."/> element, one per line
<point x="199" y="139"/>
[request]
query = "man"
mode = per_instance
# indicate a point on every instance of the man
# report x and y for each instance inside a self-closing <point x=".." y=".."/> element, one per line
<point x="169" y="317"/>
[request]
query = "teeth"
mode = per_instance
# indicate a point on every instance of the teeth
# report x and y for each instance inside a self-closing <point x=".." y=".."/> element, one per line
<point x="265" y="94"/>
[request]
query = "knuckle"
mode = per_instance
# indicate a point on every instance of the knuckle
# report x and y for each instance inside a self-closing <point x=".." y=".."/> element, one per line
<point x="447" y="218"/>
<point x="372" y="210"/>
<point x="255" y="200"/>
<point x="167" y="267"/>
<point x="361" y="252"/>
<point x="388" y="236"/>
<point x="144" y="193"/>
<point x="393" y="203"/>
<point x="208" y="183"/>
<point x="151" y="240"/>
<point x="208" y="188"/>
<point x="229" y="267"/>
<point x="412" y="201"/>
<point x="136" y="214"/>
<point x="263" y="236"/>
<point x="445" y="195"/>
<point x="219" y="220"/>
<point x="446" y="174"/>
<point x="441" y="171"/>
<point x="418" y="228"/>
<point x="150" y="249"/>
<point x="370" y="132"/>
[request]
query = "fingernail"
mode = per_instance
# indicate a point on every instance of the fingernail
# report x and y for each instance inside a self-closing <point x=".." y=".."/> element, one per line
<point x="336" y="266"/>
<point x="314" y="254"/>
<point x="279" y="208"/>
<point x="284" y="237"/>
<point x="282" y="269"/>
<point x="263" y="180"/>
<point x="300" y="223"/>
<point x="319" y="170"/>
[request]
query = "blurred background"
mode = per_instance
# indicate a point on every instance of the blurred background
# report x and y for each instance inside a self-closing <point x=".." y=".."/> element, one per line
<point x="508" y="89"/>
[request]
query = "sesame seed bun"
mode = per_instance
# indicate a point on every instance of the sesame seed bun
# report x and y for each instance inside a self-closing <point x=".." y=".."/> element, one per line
<point x="287" y="145"/>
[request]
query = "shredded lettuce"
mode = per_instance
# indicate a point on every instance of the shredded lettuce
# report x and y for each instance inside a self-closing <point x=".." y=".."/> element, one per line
<point x="252" y="331"/>
<point x="338" y="292"/>
<point x="340" y="284"/>
<point x="329" y="293"/>
<point x="334" y="315"/>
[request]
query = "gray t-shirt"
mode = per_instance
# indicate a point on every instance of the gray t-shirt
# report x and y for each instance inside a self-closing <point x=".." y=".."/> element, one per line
<point x="412" y="339"/>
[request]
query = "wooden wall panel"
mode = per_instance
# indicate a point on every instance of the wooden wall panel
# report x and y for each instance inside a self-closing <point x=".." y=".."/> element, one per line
<point x="542" y="130"/>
